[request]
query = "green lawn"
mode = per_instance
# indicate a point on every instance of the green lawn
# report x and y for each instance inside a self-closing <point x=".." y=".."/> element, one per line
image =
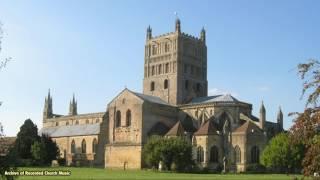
<point x="96" y="173"/>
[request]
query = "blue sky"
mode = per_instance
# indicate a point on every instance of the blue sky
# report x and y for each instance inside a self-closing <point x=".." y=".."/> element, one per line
<point x="95" y="48"/>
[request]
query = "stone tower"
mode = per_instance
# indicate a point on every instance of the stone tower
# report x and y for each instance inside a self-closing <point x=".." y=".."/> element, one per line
<point x="73" y="107"/>
<point x="175" y="66"/>
<point x="47" y="111"/>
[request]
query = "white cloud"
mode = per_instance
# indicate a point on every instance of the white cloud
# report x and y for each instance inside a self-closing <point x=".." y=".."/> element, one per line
<point x="216" y="91"/>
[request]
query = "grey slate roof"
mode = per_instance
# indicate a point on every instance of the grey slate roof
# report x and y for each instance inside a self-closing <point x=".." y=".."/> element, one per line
<point x="74" y="130"/>
<point x="217" y="98"/>
<point x="149" y="98"/>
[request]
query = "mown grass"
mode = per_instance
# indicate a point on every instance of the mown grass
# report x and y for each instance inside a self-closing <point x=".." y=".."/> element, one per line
<point x="96" y="173"/>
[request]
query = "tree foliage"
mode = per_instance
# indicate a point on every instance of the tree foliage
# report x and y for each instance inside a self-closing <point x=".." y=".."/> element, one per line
<point x="51" y="149"/>
<point x="38" y="151"/>
<point x="306" y="124"/>
<point x="175" y="153"/>
<point x="282" y="156"/>
<point x="27" y="135"/>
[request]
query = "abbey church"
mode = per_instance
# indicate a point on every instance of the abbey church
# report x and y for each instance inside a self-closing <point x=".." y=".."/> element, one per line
<point x="174" y="102"/>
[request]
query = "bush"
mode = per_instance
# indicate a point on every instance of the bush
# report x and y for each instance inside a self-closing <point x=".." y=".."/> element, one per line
<point x="25" y="162"/>
<point x="174" y="152"/>
<point x="256" y="169"/>
<point x="62" y="161"/>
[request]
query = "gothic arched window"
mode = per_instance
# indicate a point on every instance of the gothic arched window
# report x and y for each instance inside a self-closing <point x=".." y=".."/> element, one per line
<point x="152" y="86"/>
<point x="83" y="146"/>
<point x="94" y="145"/>
<point x="165" y="84"/>
<point x="186" y="84"/>
<point x="237" y="154"/>
<point x="214" y="154"/>
<point x="73" y="147"/>
<point x="167" y="68"/>
<point x="128" y="118"/>
<point x="154" y="50"/>
<point x="160" y="69"/>
<point x="152" y="70"/>
<point x="118" y="119"/>
<point x="166" y="47"/>
<point x="200" y="154"/>
<point x="198" y="87"/>
<point x="255" y="154"/>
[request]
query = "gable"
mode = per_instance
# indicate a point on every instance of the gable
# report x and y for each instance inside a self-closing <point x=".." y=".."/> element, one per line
<point x="124" y="97"/>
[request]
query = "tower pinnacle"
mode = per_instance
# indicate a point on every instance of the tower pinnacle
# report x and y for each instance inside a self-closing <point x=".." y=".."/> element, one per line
<point x="178" y="25"/>
<point x="73" y="106"/>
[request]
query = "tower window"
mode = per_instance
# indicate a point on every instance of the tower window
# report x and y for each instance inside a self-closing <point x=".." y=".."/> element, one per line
<point x="154" y="50"/>
<point x="165" y="84"/>
<point x="152" y="70"/>
<point x="152" y="86"/>
<point x="185" y="68"/>
<point x="118" y="119"/>
<point x="167" y="68"/>
<point x="186" y="84"/>
<point x="192" y="69"/>
<point x="160" y="69"/>
<point x="198" y="87"/>
<point x="166" y="47"/>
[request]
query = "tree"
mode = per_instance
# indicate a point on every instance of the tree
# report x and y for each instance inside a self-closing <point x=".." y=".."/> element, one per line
<point x="50" y="147"/>
<point x="4" y="62"/>
<point x="281" y="155"/>
<point x="175" y="153"/>
<point x="306" y="124"/>
<point x="1" y="130"/>
<point x="38" y="152"/>
<point x="152" y="152"/>
<point x="7" y="163"/>
<point x="27" y="135"/>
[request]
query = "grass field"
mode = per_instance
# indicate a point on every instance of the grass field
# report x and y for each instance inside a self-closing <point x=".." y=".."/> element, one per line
<point x="96" y="173"/>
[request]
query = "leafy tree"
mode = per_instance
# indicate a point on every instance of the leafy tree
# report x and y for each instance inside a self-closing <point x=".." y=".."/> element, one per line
<point x="306" y="124"/>
<point x="50" y="149"/>
<point x="173" y="152"/>
<point x="38" y="151"/>
<point x="311" y="162"/>
<point x="7" y="163"/>
<point x="281" y="155"/>
<point x="27" y="135"/>
<point x="152" y="152"/>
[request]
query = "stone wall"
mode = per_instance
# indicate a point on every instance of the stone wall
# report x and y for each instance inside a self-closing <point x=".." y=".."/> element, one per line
<point x="123" y="156"/>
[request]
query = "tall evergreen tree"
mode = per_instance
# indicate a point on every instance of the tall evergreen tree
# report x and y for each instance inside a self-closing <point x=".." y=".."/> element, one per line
<point x="27" y="135"/>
